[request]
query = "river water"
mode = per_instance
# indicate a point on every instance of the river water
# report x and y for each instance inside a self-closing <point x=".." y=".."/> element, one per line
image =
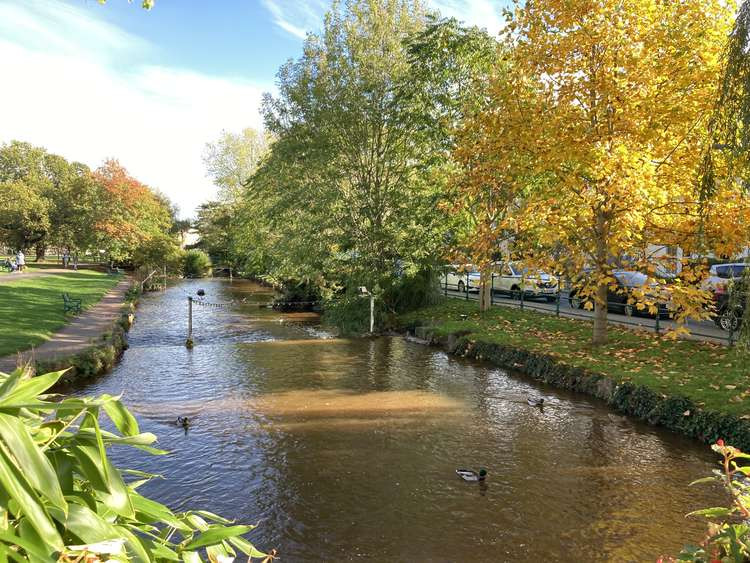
<point x="347" y="449"/>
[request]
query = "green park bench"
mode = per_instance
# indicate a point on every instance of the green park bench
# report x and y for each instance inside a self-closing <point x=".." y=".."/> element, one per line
<point x="70" y="304"/>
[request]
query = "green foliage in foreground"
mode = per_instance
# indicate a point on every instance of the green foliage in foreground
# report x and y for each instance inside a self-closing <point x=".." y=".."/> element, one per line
<point x="31" y="309"/>
<point x="62" y="499"/>
<point x="728" y="538"/>
<point x="714" y="377"/>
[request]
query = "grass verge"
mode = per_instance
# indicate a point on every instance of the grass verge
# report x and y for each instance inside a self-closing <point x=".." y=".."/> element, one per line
<point x="714" y="377"/>
<point x="31" y="310"/>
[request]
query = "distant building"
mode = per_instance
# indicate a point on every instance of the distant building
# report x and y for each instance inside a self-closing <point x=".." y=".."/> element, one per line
<point x="190" y="238"/>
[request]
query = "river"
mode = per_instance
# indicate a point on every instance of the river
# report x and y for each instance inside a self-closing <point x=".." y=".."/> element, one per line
<point x="346" y="449"/>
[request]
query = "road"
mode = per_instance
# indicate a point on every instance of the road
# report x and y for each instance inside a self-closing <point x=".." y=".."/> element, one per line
<point x="699" y="330"/>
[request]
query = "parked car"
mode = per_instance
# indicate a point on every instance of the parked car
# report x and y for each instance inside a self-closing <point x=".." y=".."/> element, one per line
<point x="513" y="279"/>
<point x="617" y="297"/>
<point x="462" y="278"/>
<point x="730" y="299"/>
<point x="720" y="274"/>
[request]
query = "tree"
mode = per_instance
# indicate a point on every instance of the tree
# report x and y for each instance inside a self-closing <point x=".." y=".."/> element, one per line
<point x="131" y="213"/>
<point x="343" y="188"/>
<point x="42" y="174"/>
<point x="450" y="66"/>
<point x="597" y="127"/>
<point x="24" y="219"/>
<point x="233" y="159"/>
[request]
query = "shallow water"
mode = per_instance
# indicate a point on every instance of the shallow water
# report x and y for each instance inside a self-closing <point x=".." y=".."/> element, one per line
<point x="346" y="449"/>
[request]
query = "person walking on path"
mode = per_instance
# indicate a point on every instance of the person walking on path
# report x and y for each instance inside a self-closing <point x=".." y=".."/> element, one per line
<point x="20" y="260"/>
<point x="66" y="259"/>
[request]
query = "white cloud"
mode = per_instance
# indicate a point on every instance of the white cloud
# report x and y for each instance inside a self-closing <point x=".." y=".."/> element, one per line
<point x="299" y="17"/>
<point x="83" y="89"/>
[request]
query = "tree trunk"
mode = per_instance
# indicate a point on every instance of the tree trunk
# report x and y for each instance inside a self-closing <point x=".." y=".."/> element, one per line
<point x="485" y="291"/>
<point x="600" y="315"/>
<point x="41" y="251"/>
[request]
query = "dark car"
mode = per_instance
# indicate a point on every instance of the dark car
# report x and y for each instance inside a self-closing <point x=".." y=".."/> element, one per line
<point x="729" y="300"/>
<point x="617" y="298"/>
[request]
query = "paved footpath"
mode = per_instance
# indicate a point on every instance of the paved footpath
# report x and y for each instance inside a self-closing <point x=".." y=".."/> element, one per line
<point x="77" y="335"/>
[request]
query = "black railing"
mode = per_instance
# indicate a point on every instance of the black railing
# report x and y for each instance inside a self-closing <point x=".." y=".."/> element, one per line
<point x="524" y="299"/>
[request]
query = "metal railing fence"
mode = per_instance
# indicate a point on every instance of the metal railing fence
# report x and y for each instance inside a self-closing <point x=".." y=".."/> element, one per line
<point x="558" y="308"/>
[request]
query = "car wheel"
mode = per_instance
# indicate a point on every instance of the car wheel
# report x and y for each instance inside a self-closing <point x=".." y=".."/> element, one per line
<point x="576" y="302"/>
<point x="461" y="286"/>
<point x="515" y="293"/>
<point x="729" y="319"/>
<point x="551" y="299"/>
<point x="628" y="309"/>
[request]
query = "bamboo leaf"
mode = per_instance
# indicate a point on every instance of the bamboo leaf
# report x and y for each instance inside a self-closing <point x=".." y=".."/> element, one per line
<point x="34" y="464"/>
<point x="20" y="491"/>
<point x="216" y="535"/>
<point x="122" y="418"/>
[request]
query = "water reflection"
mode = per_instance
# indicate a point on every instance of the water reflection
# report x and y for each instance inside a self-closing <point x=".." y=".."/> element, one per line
<point x="347" y="448"/>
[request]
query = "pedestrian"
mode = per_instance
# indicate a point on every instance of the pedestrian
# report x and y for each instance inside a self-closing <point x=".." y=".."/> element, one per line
<point x="66" y="259"/>
<point x="75" y="261"/>
<point x="20" y="260"/>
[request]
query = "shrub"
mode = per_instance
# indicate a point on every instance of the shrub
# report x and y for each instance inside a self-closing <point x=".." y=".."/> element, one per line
<point x="197" y="264"/>
<point x="728" y="536"/>
<point x="63" y="499"/>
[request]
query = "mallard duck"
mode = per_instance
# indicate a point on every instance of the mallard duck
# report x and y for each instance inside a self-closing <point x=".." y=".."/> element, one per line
<point x="472" y="476"/>
<point x="535" y="401"/>
<point x="183" y="421"/>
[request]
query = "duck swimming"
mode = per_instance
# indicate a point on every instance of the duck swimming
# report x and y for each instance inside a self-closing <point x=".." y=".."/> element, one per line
<point x="183" y="421"/>
<point x="535" y="401"/>
<point x="472" y="476"/>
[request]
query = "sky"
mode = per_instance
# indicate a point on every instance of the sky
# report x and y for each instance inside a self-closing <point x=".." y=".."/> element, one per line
<point x="151" y="88"/>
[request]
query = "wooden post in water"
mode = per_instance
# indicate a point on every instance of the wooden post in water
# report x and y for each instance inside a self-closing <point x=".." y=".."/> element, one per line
<point x="189" y="341"/>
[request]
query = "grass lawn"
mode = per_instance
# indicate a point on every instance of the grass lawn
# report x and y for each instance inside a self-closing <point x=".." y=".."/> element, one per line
<point x="31" y="310"/>
<point x="714" y="376"/>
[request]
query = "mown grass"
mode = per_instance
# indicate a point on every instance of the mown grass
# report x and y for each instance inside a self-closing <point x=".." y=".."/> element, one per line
<point x="714" y="376"/>
<point x="31" y="310"/>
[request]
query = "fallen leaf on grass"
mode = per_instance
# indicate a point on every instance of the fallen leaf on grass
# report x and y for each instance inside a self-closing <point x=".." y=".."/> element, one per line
<point x="730" y="387"/>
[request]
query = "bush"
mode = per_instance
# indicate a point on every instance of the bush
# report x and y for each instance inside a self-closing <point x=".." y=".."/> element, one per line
<point x="413" y="292"/>
<point x="196" y="264"/>
<point x="728" y="536"/>
<point x="63" y="499"/>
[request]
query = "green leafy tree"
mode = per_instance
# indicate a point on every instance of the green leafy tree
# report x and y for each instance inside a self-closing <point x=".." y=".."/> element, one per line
<point x="24" y="219"/>
<point x="233" y="158"/>
<point x="450" y="66"/>
<point x="196" y="264"/>
<point x="344" y="190"/>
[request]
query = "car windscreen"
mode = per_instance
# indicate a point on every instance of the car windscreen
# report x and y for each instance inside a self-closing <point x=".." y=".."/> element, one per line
<point x="738" y="270"/>
<point x="723" y="272"/>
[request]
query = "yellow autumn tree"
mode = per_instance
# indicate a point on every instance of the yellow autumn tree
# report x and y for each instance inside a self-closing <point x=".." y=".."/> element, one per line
<point x="596" y="135"/>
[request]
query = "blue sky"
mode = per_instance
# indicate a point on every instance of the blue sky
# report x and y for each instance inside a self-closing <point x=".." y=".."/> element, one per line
<point x="151" y="88"/>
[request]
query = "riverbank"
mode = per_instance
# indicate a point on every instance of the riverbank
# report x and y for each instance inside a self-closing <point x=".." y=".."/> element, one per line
<point x="698" y="389"/>
<point x="90" y="343"/>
